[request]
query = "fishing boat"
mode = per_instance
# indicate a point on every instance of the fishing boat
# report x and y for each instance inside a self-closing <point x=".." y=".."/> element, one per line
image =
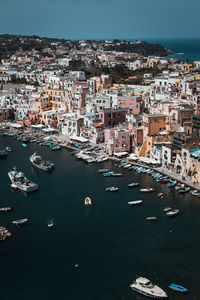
<point x="37" y="162"/>
<point x="136" y="202"/>
<point x="3" y="153"/>
<point x="50" y="223"/>
<point x="178" y="288"/>
<point x="112" y="189"/>
<point x="18" y="179"/>
<point x="166" y="209"/>
<point x="5" y="209"/>
<point x="117" y="175"/>
<point x="133" y="184"/>
<point x="151" y="219"/>
<point x="20" y="222"/>
<point x="147" y="190"/>
<point x="173" y="213"/>
<point x="195" y="194"/>
<point x="88" y="201"/>
<point x="102" y="171"/>
<point x="145" y="287"/>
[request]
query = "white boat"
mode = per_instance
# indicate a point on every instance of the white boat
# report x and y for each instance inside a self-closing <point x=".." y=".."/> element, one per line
<point x="14" y="186"/>
<point x="151" y="219"/>
<point x="173" y="213"/>
<point x="5" y="208"/>
<point x="50" y="223"/>
<point x="146" y="287"/>
<point x="19" y="222"/>
<point x="127" y="166"/>
<point x="167" y="209"/>
<point x="18" y="179"/>
<point x="117" y="174"/>
<point x="147" y="190"/>
<point x="112" y="189"/>
<point x="37" y="162"/>
<point x="133" y="184"/>
<point x="136" y="202"/>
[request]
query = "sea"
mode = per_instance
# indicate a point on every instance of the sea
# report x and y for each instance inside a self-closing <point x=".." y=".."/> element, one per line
<point x="92" y="253"/>
<point x="187" y="49"/>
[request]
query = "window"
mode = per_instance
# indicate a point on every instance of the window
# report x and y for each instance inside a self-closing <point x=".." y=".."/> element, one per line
<point x="149" y="143"/>
<point x="123" y="137"/>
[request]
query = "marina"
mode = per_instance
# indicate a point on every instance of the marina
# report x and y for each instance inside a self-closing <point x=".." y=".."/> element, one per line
<point x="65" y="207"/>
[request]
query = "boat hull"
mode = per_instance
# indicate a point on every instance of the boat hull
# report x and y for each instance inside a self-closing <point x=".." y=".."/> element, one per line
<point x="147" y="294"/>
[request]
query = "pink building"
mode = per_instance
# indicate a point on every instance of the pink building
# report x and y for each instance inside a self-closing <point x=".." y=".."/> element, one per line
<point x="116" y="141"/>
<point x="31" y="118"/>
<point x="134" y="104"/>
<point x="111" y="117"/>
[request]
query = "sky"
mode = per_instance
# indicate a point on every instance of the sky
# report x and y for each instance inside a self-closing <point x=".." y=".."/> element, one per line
<point x="102" y="19"/>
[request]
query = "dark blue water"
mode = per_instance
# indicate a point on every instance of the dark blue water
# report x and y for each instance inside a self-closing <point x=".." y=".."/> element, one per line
<point x="111" y="242"/>
<point x="186" y="49"/>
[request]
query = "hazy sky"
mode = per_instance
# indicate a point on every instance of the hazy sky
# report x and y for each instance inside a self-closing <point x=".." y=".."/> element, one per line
<point x="87" y="19"/>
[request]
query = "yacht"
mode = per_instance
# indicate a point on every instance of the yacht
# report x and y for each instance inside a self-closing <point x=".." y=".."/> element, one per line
<point x="19" y="179"/>
<point x="37" y="162"/>
<point x="146" y="287"/>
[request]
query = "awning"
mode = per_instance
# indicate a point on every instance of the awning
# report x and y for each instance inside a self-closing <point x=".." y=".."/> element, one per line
<point x="119" y="154"/>
<point x="79" y="139"/>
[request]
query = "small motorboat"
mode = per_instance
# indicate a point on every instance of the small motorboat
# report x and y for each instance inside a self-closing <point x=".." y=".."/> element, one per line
<point x="147" y="190"/>
<point x="178" y="288"/>
<point x="133" y="184"/>
<point x="102" y="170"/>
<point x="55" y="147"/>
<point x="112" y="189"/>
<point x="20" y="222"/>
<point x="5" y="209"/>
<point x="117" y="175"/>
<point x="195" y="194"/>
<point x="50" y="223"/>
<point x="108" y="174"/>
<point x="151" y="219"/>
<point x="88" y="201"/>
<point x="173" y="213"/>
<point x="160" y="195"/>
<point x="8" y="149"/>
<point x="24" y="145"/>
<point x="167" y="209"/>
<point x="136" y="202"/>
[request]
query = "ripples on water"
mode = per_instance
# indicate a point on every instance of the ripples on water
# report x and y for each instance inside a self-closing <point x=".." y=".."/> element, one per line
<point x="111" y="242"/>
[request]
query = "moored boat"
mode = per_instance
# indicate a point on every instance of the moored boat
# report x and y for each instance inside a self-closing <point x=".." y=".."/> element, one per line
<point x="88" y="201"/>
<point x="133" y="184"/>
<point x="173" y="213"/>
<point x="146" y="287"/>
<point x="112" y="189"/>
<point x="178" y="288"/>
<point x="18" y="179"/>
<point x="37" y="162"/>
<point x="3" y="153"/>
<point x="108" y="174"/>
<point x="166" y="209"/>
<point x="117" y="175"/>
<point x="151" y="219"/>
<point x="147" y="190"/>
<point x="102" y="170"/>
<point x="5" y="209"/>
<point x="20" y="222"/>
<point x="136" y="202"/>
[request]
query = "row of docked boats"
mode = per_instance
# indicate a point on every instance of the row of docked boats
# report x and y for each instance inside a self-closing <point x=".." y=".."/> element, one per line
<point x="90" y="157"/>
<point x="145" y="287"/>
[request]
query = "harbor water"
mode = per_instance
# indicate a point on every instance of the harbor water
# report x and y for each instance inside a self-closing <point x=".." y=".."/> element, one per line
<point x="92" y="253"/>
